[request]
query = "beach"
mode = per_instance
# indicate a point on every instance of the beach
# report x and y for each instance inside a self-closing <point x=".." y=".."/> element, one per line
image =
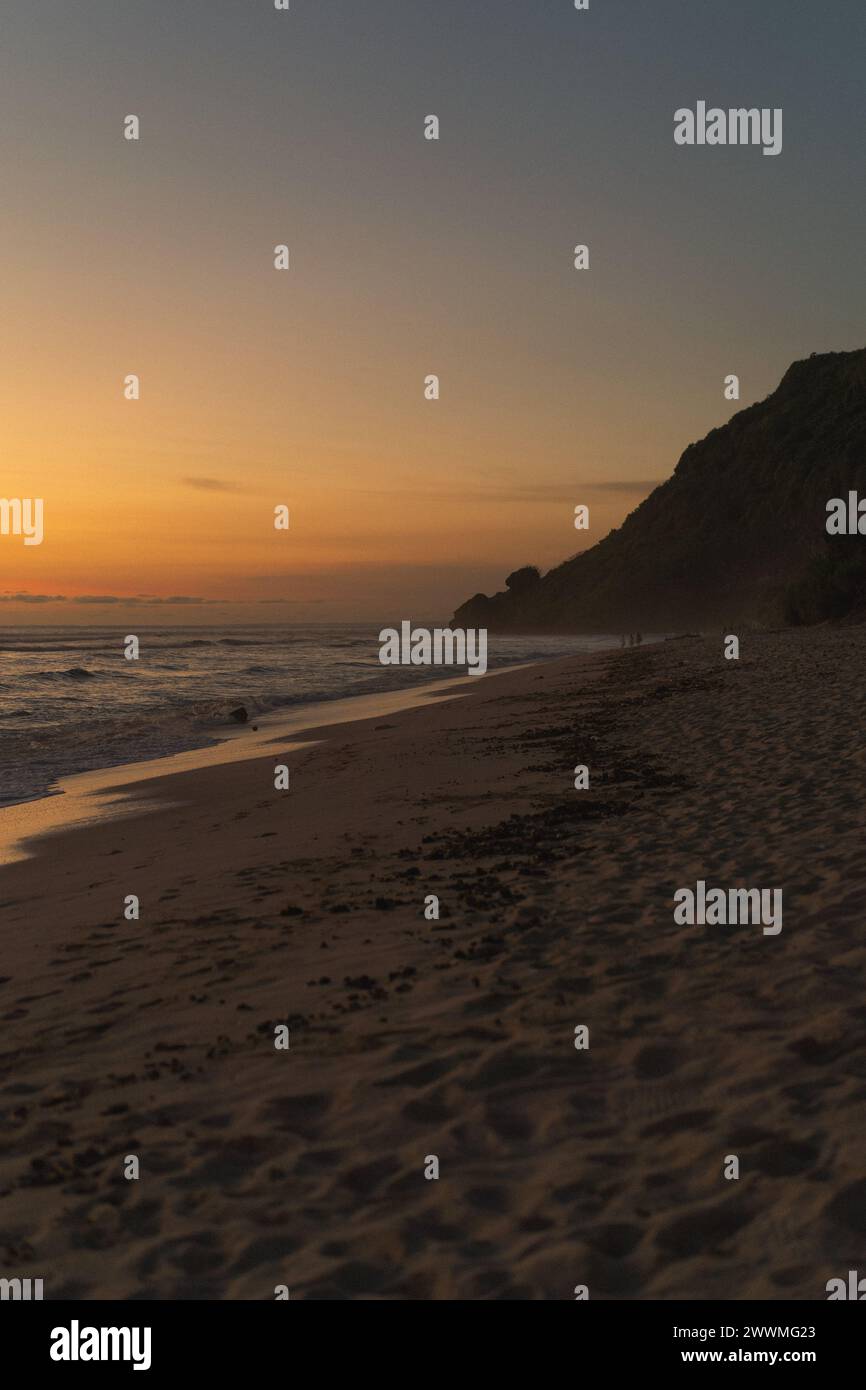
<point x="412" y="1036"/>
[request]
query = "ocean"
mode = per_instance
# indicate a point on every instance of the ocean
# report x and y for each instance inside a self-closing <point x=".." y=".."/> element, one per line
<point x="70" y="701"/>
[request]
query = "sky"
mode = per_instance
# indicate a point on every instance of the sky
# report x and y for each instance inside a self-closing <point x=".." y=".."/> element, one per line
<point x="408" y="257"/>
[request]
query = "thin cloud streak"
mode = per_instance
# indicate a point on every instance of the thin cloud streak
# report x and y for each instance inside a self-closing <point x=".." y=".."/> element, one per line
<point x="212" y="485"/>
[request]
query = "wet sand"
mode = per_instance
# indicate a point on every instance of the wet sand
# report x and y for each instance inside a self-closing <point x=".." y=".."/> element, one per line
<point x="110" y="792"/>
<point x="454" y="1037"/>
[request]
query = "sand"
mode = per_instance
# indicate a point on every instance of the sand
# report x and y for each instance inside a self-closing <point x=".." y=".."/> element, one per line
<point x="411" y="1038"/>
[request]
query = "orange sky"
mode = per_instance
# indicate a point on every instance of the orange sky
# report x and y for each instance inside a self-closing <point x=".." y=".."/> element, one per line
<point x="173" y="494"/>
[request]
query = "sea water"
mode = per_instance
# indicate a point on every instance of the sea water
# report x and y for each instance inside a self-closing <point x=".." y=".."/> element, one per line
<point x="70" y="702"/>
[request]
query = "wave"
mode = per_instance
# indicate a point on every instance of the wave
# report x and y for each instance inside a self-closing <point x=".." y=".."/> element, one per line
<point x="75" y="673"/>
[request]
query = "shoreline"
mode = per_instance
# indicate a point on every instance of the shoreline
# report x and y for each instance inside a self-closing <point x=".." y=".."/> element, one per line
<point x="85" y="798"/>
<point x="69" y="706"/>
<point x="454" y="1035"/>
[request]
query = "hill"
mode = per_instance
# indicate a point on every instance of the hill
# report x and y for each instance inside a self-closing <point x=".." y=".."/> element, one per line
<point x="736" y="535"/>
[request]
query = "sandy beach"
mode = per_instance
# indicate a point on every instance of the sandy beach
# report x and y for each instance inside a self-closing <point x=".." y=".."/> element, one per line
<point x="412" y="1037"/>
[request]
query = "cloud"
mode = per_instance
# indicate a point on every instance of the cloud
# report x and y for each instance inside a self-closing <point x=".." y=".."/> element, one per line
<point x="212" y="485"/>
<point x="141" y="600"/>
<point x="643" y="486"/>
<point x="146" y="600"/>
<point x="32" y="598"/>
<point x="520" y="492"/>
